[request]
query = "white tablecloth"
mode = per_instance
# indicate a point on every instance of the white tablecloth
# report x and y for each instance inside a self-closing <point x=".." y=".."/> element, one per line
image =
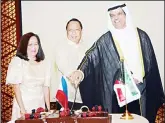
<point x="137" y="119"/>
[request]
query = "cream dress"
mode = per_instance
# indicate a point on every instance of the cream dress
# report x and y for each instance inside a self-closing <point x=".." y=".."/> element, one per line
<point x="32" y="77"/>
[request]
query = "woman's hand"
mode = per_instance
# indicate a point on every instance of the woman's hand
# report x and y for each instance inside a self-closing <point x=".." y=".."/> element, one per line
<point x="19" y="98"/>
<point x="47" y="97"/>
<point x="23" y="112"/>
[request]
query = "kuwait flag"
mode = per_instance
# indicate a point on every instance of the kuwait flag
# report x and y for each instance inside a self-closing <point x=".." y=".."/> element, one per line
<point x="62" y="93"/>
<point x="128" y="91"/>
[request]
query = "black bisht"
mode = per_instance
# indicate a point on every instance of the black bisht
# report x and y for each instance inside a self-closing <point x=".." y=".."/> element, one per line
<point x="100" y="66"/>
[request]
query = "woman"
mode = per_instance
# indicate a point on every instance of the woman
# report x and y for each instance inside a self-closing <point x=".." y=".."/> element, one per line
<point x="29" y="74"/>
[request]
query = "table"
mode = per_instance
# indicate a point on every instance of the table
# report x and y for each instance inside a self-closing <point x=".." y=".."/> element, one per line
<point x="29" y="121"/>
<point x="115" y="118"/>
<point x="137" y="119"/>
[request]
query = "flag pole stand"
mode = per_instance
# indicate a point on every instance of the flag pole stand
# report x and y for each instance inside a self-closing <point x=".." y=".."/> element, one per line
<point x="126" y="115"/>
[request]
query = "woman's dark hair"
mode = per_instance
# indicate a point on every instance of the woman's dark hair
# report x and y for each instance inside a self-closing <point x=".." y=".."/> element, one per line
<point x="23" y="44"/>
<point x="74" y="19"/>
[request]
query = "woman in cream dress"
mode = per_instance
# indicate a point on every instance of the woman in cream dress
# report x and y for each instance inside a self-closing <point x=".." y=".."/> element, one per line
<point x="29" y="74"/>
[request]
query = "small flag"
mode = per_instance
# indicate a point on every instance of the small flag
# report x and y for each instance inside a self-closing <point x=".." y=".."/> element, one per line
<point x="62" y="93"/>
<point x="126" y="92"/>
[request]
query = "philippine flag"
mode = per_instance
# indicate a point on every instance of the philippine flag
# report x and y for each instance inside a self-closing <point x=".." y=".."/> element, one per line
<point x="62" y="93"/>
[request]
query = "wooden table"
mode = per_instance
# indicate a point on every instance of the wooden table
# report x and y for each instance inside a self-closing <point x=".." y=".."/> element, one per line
<point x="69" y="120"/>
<point x="30" y="121"/>
<point x="112" y="118"/>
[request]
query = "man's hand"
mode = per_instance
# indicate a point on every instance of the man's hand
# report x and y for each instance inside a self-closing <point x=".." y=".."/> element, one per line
<point x="136" y="81"/>
<point x="76" y="77"/>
